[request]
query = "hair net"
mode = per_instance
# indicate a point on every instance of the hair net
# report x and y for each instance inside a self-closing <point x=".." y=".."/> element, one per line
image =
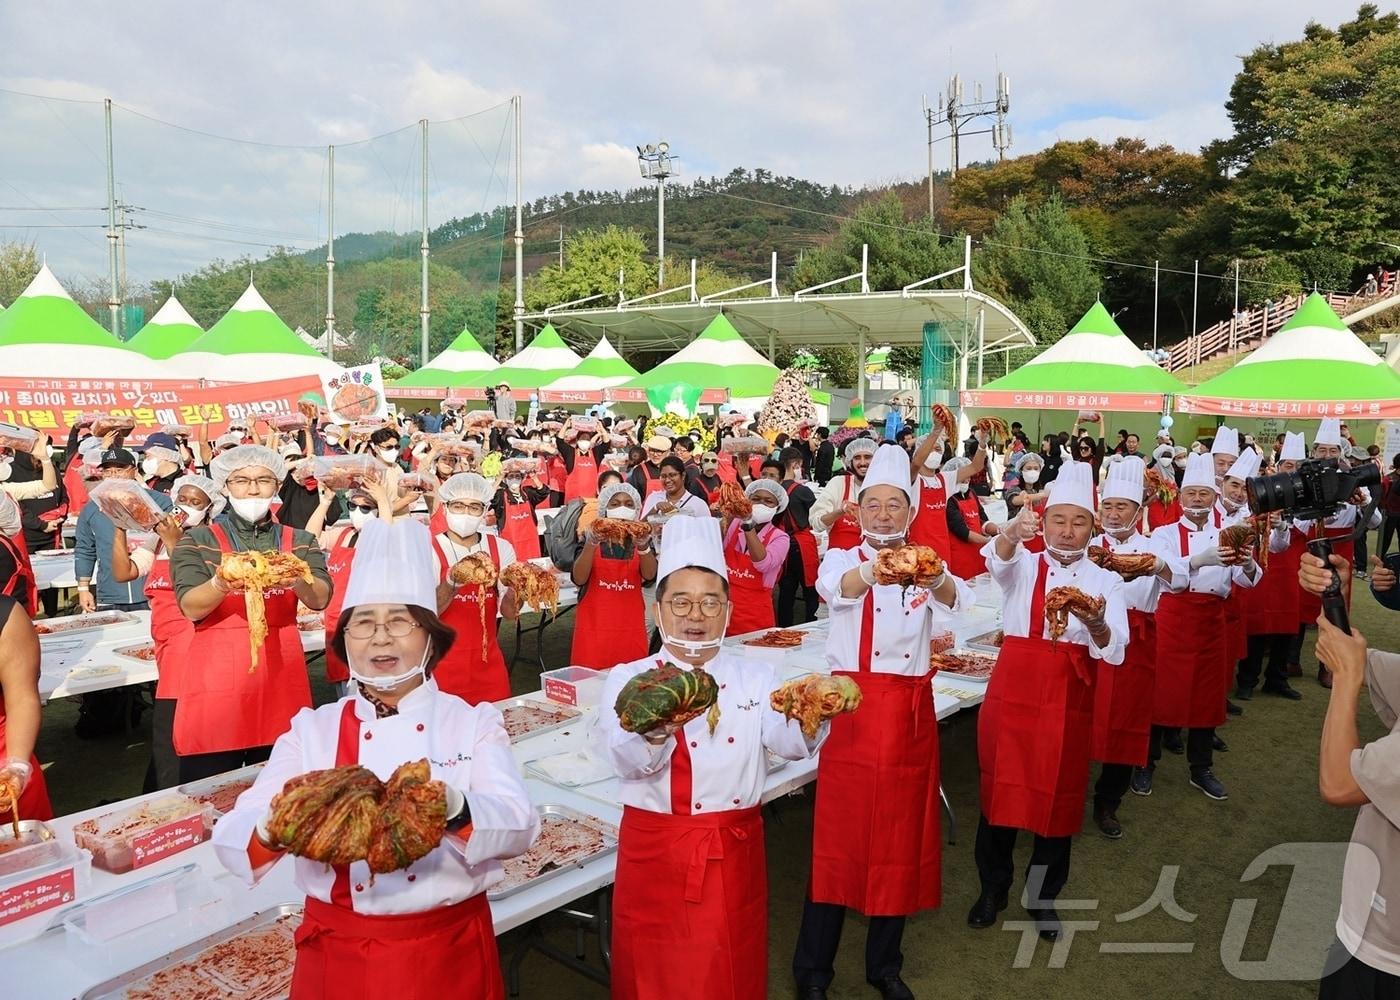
<point x="245" y="456"/>
<point x="206" y="486"/>
<point x="955" y="463"/>
<point x="770" y="487"/>
<point x="162" y="453"/>
<point x="858" y="446"/>
<point x="1031" y="458"/>
<point x="467" y="486"/>
<point x="606" y="494"/>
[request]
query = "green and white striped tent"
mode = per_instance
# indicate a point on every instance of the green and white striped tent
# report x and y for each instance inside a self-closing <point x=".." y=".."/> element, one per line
<point x="250" y="344"/>
<point x="603" y="368"/>
<point x="462" y="362"/>
<point x="45" y="334"/>
<point x="545" y="359"/>
<point x="717" y="359"/>
<point x="170" y="331"/>
<point x="1315" y="360"/>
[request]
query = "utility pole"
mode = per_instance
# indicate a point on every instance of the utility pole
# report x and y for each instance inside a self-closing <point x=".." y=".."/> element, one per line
<point x="114" y="301"/>
<point x="952" y="111"/>
<point x="330" y="253"/>
<point x="928" y="120"/>
<point x="1156" y="278"/>
<point x="657" y="163"/>
<point x="519" y="239"/>
<point x="561" y="246"/>
<point x="121" y="246"/>
<point x="424" y="314"/>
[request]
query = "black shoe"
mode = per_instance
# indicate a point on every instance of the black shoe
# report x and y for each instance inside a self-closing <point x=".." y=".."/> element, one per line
<point x="1047" y="923"/>
<point x="1107" y="822"/>
<point x="1142" y="780"/>
<point x="1209" y="784"/>
<point x="811" y="993"/>
<point x="1232" y="709"/>
<point x="1283" y="690"/>
<point x="1171" y="743"/>
<point x="984" y="912"/>
<point x="1219" y="745"/>
<point x="891" y="988"/>
<point x="1324" y="677"/>
<point x="1243" y="693"/>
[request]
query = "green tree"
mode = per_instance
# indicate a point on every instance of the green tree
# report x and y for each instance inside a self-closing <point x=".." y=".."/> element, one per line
<point x="19" y="262"/>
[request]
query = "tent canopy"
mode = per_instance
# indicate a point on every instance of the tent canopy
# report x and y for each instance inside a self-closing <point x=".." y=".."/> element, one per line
<point x="170" y="331"/>
<point x="603" y="368"/>
<point x="717" y="359"/>
<point x="462" y="362"/>
<point x="249" y="343"/>
<point x="545" y="359"/>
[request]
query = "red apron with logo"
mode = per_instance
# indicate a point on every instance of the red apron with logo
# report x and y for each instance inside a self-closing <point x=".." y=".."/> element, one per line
<point x="930" y="524"/>
<point x="1310" y="605"/>
<point x="171" y="631"/>
<point x="449" y="952"/>
<point x="751" y="600"/>
<point x="24" y="572"/>
<point x="845" y="531"/>
<point x="582" y="480"/>
<point x="222" y="704"/>
<point x="473" y="668"/>
<point x="966" y="558"/>
<point x="690" y="904"/>
<point x="34" y="800"/>
<point x="338" y="562"/>
<point x="1191" y="679"/>
<point x="876" y="846"/>
<point x="611" y="626"/>
<point x="805" y="541"/>
<point x="1035" y="728"/>
<point x="521" y="529"/>
<point x="1123" y="697"/>
<point x="1271" y="605"/>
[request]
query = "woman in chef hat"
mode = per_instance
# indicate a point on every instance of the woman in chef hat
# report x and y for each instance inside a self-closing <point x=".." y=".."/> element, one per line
<point x="424" y="930"/>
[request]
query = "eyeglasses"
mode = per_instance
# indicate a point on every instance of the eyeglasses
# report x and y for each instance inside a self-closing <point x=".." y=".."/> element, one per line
<point x="244" y="483"/>
<point x="710" y="607"/>
<point x="365" y="508"/>
<point x="462" y="507"/>
<point x="875" y="509"/>
<point x="396" y="628"/>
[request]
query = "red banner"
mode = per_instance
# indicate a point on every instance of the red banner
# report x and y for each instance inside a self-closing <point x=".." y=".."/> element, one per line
<point x="1016" y="399"/>
<point x="710" y="397"/>
<point x="52" y="405"/>
<point x="1300" y="409"/>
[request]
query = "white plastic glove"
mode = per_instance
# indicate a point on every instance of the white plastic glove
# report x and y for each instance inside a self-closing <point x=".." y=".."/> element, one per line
<point x="1210" y="557"/>
<point x="867" y="572"/>
<point x="1024" y="526"/>
<point x="17" y="774"/>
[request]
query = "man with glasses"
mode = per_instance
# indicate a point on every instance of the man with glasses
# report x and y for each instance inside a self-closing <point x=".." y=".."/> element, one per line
<point x="94" y="541"/>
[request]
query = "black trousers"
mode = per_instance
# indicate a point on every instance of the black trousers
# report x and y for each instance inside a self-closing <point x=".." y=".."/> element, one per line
<point x="813" y="964"/>
<point x="1274" y="649"/>
<point x="1200" y="754"/>
<point x="1359" y="559"/>
<point x="789" y="584"/>
<point x="1390" y="527"/>
<point x="1112" y="785"/>
<point x="164" y="769"/>
<point x="1353" y="979"/>
<point x="206" y="765"/>
<point x="1046" y="873"/>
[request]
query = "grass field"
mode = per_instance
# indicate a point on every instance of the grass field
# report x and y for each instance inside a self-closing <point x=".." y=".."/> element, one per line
<point x="1270" y="770"/>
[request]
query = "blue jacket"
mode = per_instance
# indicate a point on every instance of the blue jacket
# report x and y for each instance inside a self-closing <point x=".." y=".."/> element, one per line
<point x="92" y="549"/>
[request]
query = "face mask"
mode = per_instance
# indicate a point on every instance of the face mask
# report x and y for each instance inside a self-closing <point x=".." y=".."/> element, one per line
<point x="251" y="509"/>
<point x="585" y="443"/>
<point x="1195" y="512"/>
<point x="934" y="461"/>
<point x="389" y="683"/>
<point x="710" y="468"/>
<point x="359" y="518"/>
<point x="193" y="515"/>
<point x="960" y="488"/>
<point x="622" y="514"/>
<point x="1067" y="555"/>
<point x="389" y="455"/>
<point x="1180" y="463"/>
<point x="464" y="524"/>
<point x="514" y="484"/>
<point x="150" y="465"/>
<point x="763" y="514"/>
<point x="330" y="439"/>
<point x="1030" y="477"/>
<point x="690" y="648"/>
<point x="875" y="537"/>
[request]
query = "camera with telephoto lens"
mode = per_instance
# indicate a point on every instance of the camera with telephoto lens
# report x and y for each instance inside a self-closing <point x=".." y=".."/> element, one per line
<point x="490" y="397"/>
<point x="1314" y="491"/>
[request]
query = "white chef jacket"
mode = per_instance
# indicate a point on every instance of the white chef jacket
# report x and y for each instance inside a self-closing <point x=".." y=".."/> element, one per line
<point x="837" y="491"/>
<point x="1346" y="517"/>
<point x="1216" y="580"/>
<point x="1017" y="578"/>
<point x="727" y="769"/>
<point x="1140" y="594"/>
<point x="904" y="617"/>
<point x="466" y="746"/>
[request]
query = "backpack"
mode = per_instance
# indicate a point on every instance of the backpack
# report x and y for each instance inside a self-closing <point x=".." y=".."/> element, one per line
<point x="561" y="542"/>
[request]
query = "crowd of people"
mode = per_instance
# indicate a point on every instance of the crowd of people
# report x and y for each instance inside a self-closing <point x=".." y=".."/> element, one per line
<point x="1107" y="555"/>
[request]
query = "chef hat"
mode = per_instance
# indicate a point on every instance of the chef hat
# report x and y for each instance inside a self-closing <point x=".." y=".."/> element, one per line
<point x="690" y="542"/>
<point x="1125" y="479"/>
<point x="770" y="487"/>
<point x="245" y="456"/>
<point x="1200" y="471"/>
<point x="1294" y="447"/>
<point x="1329" y="432"/>
<point x="393" y="565"/>
<point x="206" y="486"/>
<point x="860" y="446"/>
<point x="466" y="486"/>
<point x="1075" y="486"/>
<point x="606" y="494"/>
<point x="1246" y="466"/>
<point x="1227" y="441"/>
<point x="889" y="467"/>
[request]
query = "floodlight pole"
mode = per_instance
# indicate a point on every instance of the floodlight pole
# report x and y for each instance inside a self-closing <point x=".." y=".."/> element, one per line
<point x="654" y="160"/>
<point x="330" y="253"/>
<point x="114" y="297"/>
<point x="520" y="239"/>
<point x="423" y="312"/>
<point x="1156" y="278"/>
<point x="661" y="231"/>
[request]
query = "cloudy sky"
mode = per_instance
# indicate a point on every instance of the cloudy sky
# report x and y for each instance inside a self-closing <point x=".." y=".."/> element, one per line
<point x="821" y="89"/>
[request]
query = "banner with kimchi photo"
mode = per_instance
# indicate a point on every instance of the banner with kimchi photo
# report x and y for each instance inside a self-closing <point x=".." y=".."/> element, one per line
<point x="355" y="394"/>
<point x="53" y="405"/>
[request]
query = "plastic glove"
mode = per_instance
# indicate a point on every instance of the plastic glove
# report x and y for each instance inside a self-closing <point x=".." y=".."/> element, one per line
<point x="867" y="573"/>
<point x="1025" y="525"/>
<point x="16" y="774"/>
<point x="456" y="803"/>
<point x="1210" y="557"/>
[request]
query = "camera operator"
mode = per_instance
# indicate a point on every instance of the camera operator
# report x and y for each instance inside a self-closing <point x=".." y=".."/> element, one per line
<point x="1365" y="960"/>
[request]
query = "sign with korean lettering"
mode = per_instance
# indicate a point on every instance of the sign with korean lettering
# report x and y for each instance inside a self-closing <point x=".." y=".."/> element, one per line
<point x="1291" y="409"/>
<point x="36" y="896"/>
<point x="355" y="394"/>
<point x="163" y="841"/>
<point x="1026" y="399"/>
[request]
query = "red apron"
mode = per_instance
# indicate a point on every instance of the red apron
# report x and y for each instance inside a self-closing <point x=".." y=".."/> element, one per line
<point x="1036" y="543"/>
<point x="222" y="705"/>
<point x="1271" y="605"/>
<point x="966" y="558"/>
<point x="805" y="541"/>
<point x="24" y="572"/>
<point x="1236" y="638"/>
<point x="875" y="835"/>
<point x="725" y="471"/>
<point x="653" y="483"/>
<point x="432" y="955"/>
<point x="465" y="671"/>
<point x="582" y="480"/>
<point x="1310" y="605"/>
<point x="611" y="626"/>
<point x="1191" y="680"/>
<point x="690" y="905"/>
<point x="1123" y="697"/>
<point x="34" y="800"/>
<point x="1034" y="730"/>
<point x="845" y="531"/>
<point x="521" y="529"/>
<point x="171" y="631"/>
<point x="1158" y="514"/>
<point x="751" y="599"/>
<point x="338" y="562"/>
<point x="930" y="524"/>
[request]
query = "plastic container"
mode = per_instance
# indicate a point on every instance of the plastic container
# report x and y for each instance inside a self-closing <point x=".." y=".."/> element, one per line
<point x="413" y="482"/>
<point x="288" y="421"/>
<point x="941" y="642"/>
<point x="17" y="438"/>
<point x="38" y="880"/>
<point x="159" y="912"/>
<point x="131" y="838"/>
<point x="751" y="445"/>
<point x="577" y="686"/>
<point x="127" y="503"/>
<point x="341" y="472"/>
<point x="103" y="424"/>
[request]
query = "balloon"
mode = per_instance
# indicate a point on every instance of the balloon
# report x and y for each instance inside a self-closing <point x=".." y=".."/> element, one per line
<point x="1167" y="423"/>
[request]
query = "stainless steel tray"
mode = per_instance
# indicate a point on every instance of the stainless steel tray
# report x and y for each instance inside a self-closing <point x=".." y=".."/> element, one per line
<point x="983" y="643"/>
<point x="608" y="831"/>
<point x="568" y="715"/>
<point x="116" y="987"/>
<point x="19" y="854"/>
<point x="204" y="786"/>
<point x="77" y="624"/>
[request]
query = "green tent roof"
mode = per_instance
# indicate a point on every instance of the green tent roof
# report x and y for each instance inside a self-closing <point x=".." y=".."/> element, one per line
<point x="251" y="327"/>
<point x="717" y="359"/>
<point x="459" y="364"/>
<point x="44" y="313"/>
<point x="545" y="359"/>
<point x="170" y="331"/>
<point x="603" y="368"/>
